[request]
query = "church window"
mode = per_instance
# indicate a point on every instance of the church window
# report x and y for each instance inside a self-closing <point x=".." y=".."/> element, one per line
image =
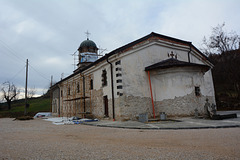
<point x="118" y="69"/>
<point x="91" y="84"/>
<point x="61" y="93"/>
<point x="119" y="81"/>
<point x="118" y="63"/>
<point x="119" y="87"/>
<point x="69" y="90"/>
<point x="104" y="78"/>
<point x="78" y="88"/>
<point x="197" y="91"/>
<point x="118" y="75"/>
<point x="120" y="94"/>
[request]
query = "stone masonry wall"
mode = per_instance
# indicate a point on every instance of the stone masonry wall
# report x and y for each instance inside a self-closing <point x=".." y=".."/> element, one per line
<point x="182" y="106"/>
<point x="55" y="101"/>
<point x="129" y="107"/>
<point x="97" y="103"/>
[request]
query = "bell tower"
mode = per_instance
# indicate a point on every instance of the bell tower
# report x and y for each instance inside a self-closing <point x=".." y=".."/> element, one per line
<point x="87" y="52"/>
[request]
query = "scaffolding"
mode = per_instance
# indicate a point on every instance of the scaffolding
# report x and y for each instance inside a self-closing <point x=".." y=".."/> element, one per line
<point x="76" y="96"/>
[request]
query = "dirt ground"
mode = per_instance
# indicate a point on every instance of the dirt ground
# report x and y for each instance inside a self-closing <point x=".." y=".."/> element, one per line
<point x="39" y="139"/>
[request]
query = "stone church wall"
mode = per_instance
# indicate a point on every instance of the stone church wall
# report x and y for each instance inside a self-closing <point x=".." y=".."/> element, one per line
<point x="132" y="106"/>
<point x="55" y="101"/>
<point x="97" y="103"/>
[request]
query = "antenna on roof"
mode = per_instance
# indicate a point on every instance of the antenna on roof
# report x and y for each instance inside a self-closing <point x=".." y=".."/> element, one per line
<point x="87" y="34"/>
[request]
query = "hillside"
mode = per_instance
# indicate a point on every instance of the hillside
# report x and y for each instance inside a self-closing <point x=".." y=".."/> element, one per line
<point x="39" y="104"/>
<point x="226" y="77"/>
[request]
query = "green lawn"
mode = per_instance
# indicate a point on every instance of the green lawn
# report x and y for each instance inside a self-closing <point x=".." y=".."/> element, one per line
<point x="35" y="105"/>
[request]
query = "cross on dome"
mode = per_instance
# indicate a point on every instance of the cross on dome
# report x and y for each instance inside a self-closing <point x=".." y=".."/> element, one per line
<point x="87" y="33"/>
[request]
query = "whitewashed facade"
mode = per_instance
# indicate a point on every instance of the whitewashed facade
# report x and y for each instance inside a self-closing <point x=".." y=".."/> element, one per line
<point x="179" y="73"/>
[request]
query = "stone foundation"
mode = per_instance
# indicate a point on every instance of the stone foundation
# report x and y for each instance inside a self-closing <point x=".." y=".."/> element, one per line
<point x="129" y="107"/>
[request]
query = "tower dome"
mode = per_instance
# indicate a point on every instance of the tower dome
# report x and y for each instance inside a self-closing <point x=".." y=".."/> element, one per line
<point x="88" y="43"/>
<point x="88" y="46"/>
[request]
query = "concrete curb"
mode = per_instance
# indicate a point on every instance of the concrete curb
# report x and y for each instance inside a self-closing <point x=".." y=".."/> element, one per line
<point x="163" y="128"/>
<point x="178" y="124"/>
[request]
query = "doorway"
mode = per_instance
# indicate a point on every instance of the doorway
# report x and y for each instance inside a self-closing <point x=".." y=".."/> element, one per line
<point x="105" y="102"/>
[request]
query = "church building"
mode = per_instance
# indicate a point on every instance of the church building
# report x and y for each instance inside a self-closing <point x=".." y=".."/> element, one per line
<point x="153" y="74"/>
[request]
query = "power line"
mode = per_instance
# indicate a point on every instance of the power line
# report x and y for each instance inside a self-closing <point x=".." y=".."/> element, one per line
<point x="12" y="51"/>
<point x="39" y="73"/>
<point x="11" y="79"/>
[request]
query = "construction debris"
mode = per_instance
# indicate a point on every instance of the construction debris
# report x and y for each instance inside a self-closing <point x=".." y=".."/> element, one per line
<point x="68" y="121"/>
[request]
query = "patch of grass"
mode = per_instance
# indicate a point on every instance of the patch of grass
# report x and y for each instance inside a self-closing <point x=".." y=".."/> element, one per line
<point x="36" y="105"/>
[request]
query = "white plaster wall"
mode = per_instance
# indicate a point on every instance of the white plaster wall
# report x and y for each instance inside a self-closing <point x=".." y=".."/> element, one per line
<point x="178" y="82"/>
<point x="135" y="79"/>
<point x="208" y="89"/>
<point x="194" y="59"/>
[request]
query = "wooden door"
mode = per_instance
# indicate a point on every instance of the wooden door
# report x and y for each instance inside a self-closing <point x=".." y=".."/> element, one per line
<point x="105" y="101"/>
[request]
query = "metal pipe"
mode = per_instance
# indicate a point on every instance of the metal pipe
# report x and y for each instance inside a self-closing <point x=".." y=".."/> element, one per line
<point x="189" y="52"/>
<point x="151" y="94"/>
<point x="84" y="101"/>
<point x="113" y="105"/>
<point x="59" y="100"/>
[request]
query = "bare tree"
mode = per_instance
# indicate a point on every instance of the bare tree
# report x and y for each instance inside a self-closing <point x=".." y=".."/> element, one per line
<point x="9" y="93"/>
<point x="31" y="92"/>
<point x="223" y="50"/>
<point x="220" y="41"/>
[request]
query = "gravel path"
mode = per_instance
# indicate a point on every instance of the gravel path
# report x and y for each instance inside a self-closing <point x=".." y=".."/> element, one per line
<point x="39" y="139"/>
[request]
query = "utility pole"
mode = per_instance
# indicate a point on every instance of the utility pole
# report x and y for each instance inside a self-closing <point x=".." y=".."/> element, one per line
<point x="25" y="109"/>
<point x="51" y="81"/>
<point x="50" y="89"/>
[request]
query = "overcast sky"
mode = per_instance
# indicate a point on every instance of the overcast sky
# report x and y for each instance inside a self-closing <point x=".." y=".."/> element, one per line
<point x="47" y="32"/>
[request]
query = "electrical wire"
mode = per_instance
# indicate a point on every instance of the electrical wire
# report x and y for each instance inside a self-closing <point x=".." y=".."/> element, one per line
<point x="11" y="79"/>
<point x="39" y="73"/>
<point x="12" y="51"/>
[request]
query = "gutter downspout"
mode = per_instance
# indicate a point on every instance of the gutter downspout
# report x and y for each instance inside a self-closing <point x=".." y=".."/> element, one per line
<point x="151" y="94"/>
<point x="84" y="98"/>
<point x="113" y="106"/>
<point x="190" y="45"/>
<point x="59" y="101"/>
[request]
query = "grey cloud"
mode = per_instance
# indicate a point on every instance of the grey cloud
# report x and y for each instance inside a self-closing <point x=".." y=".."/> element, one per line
<point x="48" y="32"/>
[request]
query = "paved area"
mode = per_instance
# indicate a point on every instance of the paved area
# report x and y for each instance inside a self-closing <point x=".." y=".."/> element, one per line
<point x="177" y="123"/>
<point x="41" y="140"/>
